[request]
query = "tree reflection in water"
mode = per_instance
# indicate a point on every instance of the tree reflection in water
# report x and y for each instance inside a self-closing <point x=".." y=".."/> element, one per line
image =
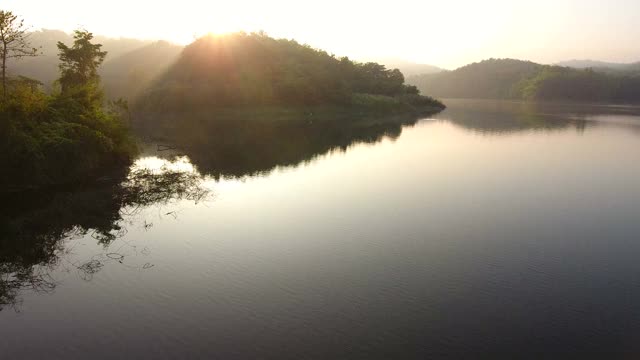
<point x="240" y="147"/>
<point x="34" y="226"/>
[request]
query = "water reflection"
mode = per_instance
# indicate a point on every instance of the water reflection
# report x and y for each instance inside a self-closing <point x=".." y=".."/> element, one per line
<point x="407" y="248"/>
<point x="34" y="225"/>
<point x="246" y="147"/>
<point x="503" y="117"/>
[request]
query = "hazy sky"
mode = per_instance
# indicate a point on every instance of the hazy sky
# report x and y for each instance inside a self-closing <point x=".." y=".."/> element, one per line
<point x="445" y="33"/>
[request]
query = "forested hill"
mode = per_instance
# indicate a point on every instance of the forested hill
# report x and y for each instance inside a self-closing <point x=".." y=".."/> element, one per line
<point x="525" y="80"/>
<point x="255" y="69"/>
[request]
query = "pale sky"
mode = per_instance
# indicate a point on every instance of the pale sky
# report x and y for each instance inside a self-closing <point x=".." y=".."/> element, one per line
<point x="448" y="33"/>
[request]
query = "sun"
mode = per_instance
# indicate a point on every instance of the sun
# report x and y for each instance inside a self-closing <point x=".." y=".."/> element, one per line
<point x="217" y="20"/>
<point x="189" y="37"/>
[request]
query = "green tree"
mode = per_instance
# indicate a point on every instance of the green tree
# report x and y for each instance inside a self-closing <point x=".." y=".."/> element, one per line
<point x="79" y="64"/>
<point x="14" y="43"/>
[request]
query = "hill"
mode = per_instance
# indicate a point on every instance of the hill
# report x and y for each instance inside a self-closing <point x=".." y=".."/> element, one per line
<point x="254" y="69"/>
<point x="488" y="79"/>
<point x="525" y="80"/>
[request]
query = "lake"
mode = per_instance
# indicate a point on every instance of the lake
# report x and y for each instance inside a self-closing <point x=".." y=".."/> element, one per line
<point x="492" y="229"/>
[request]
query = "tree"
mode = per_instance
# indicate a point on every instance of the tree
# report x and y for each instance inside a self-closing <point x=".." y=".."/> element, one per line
<point x="14" y="43"/>
<point x="79" y="69"/>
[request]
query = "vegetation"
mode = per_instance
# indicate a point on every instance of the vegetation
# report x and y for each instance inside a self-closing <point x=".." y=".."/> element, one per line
<point x="254" y="69"/>
<point x="66" y="137"/>
<point x="553" y="83"/>
<point x="524" y="80"/>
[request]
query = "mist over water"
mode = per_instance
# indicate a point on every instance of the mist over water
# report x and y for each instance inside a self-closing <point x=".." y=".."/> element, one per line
<point x="498" y="228"/>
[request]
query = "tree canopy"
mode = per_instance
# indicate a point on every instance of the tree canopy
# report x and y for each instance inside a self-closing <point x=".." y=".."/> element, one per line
<point x="66" y="137"/>
<point x="79" y="69"/>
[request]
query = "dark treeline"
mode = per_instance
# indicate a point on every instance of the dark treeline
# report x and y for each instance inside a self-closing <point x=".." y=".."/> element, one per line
<point x="255" y="69"/>
<point x="554" y="83"/>
<point x="524" y="80"/>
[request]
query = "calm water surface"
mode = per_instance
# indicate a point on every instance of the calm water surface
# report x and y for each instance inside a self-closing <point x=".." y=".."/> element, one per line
<point x="490" y="230"/>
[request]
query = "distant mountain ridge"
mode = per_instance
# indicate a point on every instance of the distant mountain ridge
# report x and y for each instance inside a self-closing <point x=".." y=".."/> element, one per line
<point x="583" y="64"/>
<point x="45" y="66"/>
<point x="409" y="68"/>
<point x="129" y="64"/>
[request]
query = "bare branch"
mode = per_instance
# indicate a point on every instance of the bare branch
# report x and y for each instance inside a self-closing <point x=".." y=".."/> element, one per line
<point x="14" y="43"/>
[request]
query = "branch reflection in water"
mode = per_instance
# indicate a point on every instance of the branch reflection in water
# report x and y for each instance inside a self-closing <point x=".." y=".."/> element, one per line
<point x="36" y="228"/>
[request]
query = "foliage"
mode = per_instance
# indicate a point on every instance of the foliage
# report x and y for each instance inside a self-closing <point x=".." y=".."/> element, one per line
<point x="64" y="138"/>
<point x="79" y="70"/>
<point x="565" y="84"/>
